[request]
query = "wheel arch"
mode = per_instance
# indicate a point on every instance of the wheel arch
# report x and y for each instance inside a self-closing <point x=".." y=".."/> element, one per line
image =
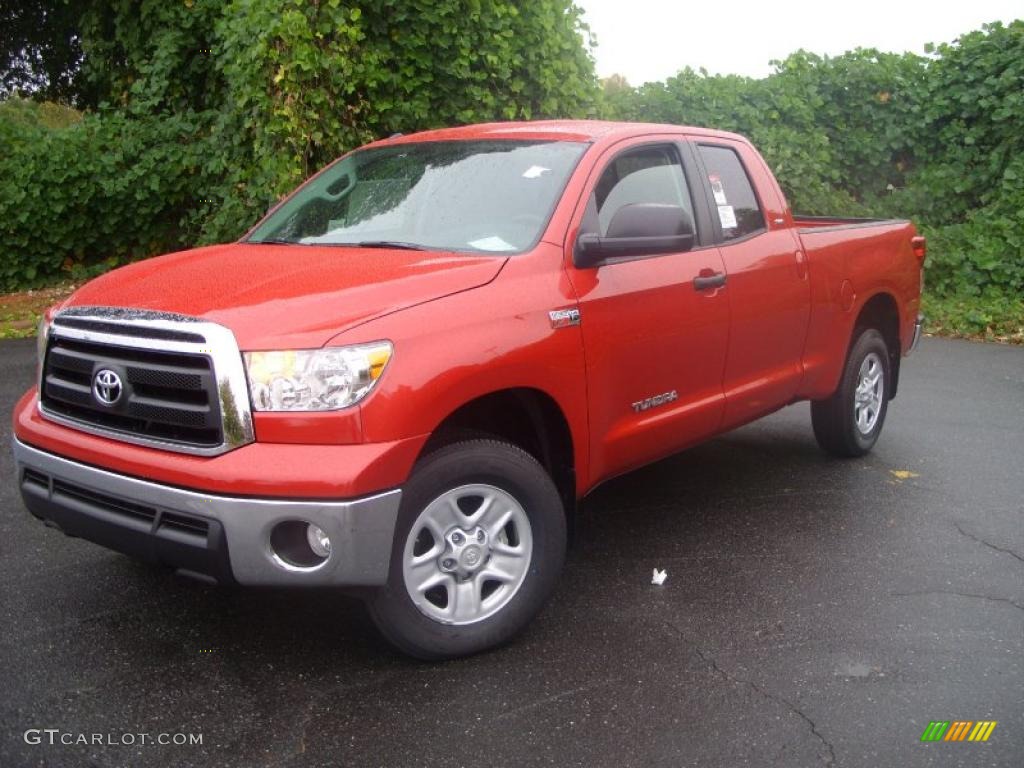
<point x="881" y="312"/>
<point x="527" y="417"/>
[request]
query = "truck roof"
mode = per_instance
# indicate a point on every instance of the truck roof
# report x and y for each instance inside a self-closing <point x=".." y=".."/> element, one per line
<point x="554" y="130"/>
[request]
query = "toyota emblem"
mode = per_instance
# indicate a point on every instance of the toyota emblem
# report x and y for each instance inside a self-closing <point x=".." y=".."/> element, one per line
<point x="106" y="386"/>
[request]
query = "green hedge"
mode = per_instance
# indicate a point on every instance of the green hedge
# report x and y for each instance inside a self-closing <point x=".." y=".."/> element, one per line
<point x="96" y="193"/>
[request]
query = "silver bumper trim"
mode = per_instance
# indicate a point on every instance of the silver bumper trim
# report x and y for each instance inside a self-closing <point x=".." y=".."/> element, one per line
<point x="918" y="326"/>
<point x="361" y="530"/>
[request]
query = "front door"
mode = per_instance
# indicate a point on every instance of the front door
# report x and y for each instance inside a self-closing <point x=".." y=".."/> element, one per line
<point x="655" y="344"/>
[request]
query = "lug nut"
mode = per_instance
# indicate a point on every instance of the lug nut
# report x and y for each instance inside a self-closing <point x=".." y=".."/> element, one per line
<point x="448" y="563"/>
<point x="457" y="538"/>
<point x="480" y="536"/>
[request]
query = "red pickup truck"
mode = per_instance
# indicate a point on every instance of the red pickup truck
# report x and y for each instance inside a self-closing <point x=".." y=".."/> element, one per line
<point x="403" y="379"/>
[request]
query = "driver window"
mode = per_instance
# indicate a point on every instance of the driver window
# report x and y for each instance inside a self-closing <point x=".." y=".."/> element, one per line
<point x="646" y="175"/>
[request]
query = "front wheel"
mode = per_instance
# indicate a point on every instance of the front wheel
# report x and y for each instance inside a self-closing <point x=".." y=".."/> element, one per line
<point x="848" y="423"/>
<point x="478" y="547"/>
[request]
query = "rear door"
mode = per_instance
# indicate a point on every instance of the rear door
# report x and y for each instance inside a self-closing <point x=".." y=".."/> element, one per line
<point x="655" y="345"/>
<point x="768" y="289"/>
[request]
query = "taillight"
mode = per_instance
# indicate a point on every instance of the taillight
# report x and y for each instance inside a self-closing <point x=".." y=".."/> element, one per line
<point x="920" y="247"/>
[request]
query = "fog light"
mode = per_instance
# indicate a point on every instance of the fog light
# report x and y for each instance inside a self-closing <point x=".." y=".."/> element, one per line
<point x="318" y="541"/>
<point x="299" y="544"/>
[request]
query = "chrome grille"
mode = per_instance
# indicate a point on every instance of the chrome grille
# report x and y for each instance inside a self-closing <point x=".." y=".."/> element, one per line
<point x="181" y="385"/>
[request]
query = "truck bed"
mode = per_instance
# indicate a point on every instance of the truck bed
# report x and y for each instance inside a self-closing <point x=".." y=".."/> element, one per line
<point x="850" y="259"/>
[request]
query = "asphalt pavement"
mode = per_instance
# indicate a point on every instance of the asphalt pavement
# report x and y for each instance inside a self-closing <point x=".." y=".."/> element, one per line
<point x="816" y="612"/>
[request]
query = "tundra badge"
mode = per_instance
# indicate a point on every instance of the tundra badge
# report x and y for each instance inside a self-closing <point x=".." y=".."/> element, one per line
<point x="653" y="402"/>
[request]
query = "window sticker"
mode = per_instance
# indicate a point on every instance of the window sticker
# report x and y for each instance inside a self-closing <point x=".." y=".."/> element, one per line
<point x="718" y="189"/>
<point x="535" y="172"/>
<point x="727" y="215"/>
<point x="493" y="243"/>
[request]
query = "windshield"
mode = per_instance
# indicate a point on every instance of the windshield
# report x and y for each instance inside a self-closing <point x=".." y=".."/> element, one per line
<point x="478" y="196"/>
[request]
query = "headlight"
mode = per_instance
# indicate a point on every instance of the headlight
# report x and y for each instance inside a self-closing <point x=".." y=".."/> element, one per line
<point x="315" y="379"/>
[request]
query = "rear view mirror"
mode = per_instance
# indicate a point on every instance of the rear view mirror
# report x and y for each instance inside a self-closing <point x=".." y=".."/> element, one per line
<point x="638" y="229"/>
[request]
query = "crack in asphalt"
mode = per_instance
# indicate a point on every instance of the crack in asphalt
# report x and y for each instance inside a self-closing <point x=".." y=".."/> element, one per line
<point x="710" y="661"/>
<point x="971" y="536"/>
<point x="1014" y="603"/>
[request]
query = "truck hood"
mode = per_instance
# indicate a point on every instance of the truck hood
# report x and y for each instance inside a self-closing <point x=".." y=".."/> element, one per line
<point x="287" y="296"/>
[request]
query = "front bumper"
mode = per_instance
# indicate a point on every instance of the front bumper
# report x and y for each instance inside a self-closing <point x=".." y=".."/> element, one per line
<point x="212" y="536"/>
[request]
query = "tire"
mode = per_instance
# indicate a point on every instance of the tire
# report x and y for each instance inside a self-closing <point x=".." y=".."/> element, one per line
<point x="849" y="422"/>
<point x="482" y="531"/>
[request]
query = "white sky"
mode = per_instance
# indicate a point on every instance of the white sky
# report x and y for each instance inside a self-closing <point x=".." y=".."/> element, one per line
<point x="653" y="39"/>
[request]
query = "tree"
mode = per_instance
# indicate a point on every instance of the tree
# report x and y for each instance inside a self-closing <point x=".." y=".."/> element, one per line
<point x="40" y="48"/>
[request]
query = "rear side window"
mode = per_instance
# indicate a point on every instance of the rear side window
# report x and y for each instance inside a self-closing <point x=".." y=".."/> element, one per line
<point x="738" y="211"/>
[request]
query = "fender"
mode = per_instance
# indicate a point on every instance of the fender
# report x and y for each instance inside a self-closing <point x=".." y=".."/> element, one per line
<point x="497" y="337"/>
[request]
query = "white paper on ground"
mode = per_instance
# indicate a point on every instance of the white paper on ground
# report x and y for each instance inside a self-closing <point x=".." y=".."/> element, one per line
<point x="659" y="577"/>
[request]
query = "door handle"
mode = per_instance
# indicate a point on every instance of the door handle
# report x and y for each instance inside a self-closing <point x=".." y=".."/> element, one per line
<point x="702" y="283"/>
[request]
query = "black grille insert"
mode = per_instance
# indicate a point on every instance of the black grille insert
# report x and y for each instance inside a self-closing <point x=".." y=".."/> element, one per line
<point x="31" y="477"/>
<point x="138" y="331"/>
<point x="185" y="524"/>
<point x="130" y="509"/>
<point x="170" y="396"/>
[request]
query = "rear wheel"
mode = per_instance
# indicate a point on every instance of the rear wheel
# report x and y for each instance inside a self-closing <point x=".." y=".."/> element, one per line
<point x="478" y="547"/>
<point x="850" y="421"/>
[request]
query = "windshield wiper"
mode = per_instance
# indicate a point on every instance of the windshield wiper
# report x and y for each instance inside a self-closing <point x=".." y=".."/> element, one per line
<point x="274" y="241"/>
<point x="399" y="244"/>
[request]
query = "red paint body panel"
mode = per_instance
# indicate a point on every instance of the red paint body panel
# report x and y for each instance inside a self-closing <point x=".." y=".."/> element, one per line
<point x="876" y="258"/>
<point x="464" y="326"/>
<point x="494" y="338"/>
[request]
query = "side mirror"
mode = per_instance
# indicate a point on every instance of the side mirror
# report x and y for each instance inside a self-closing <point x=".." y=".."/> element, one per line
<point x="637" y="229"/>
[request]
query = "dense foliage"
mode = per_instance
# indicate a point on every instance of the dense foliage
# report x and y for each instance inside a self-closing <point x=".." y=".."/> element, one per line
<point x="205" y="111"/>
<point x="96" y="192"/>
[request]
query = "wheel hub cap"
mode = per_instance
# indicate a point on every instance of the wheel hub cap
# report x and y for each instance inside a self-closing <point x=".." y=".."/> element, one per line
<point x="467" y="554"/>
<point x="867" y="398"/>
<point x="465" y="551"/>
